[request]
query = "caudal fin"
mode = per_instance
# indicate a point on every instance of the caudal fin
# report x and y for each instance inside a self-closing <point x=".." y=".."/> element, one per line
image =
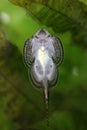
<point x="46" y="99"/>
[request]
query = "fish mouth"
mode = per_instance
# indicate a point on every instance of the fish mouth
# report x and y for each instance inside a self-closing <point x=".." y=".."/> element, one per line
<point x="42" y="32"/>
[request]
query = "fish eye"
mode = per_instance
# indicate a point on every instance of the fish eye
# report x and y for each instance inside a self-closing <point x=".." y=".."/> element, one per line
<point x="49" y="35"/>
<point x="36" y="36"/>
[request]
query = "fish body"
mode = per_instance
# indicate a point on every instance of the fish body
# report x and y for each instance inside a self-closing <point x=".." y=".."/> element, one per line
<point x="43" y="53"/>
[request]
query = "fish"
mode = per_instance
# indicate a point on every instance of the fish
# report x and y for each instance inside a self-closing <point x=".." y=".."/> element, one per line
<point x="43" y="53"/>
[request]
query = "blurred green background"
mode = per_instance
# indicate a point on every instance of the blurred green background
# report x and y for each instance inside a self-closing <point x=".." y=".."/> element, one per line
<point x="22" y="106"/>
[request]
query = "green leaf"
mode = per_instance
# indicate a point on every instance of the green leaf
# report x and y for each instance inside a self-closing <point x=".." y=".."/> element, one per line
<point x="61" y="16"/>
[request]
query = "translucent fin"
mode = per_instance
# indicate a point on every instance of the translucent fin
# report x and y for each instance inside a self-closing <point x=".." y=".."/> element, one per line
<point x="27" y="53"/>
<point x="59" y="51"/>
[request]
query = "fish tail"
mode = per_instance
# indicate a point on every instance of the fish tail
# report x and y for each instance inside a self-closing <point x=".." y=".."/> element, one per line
<point x="46" y="99"/>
